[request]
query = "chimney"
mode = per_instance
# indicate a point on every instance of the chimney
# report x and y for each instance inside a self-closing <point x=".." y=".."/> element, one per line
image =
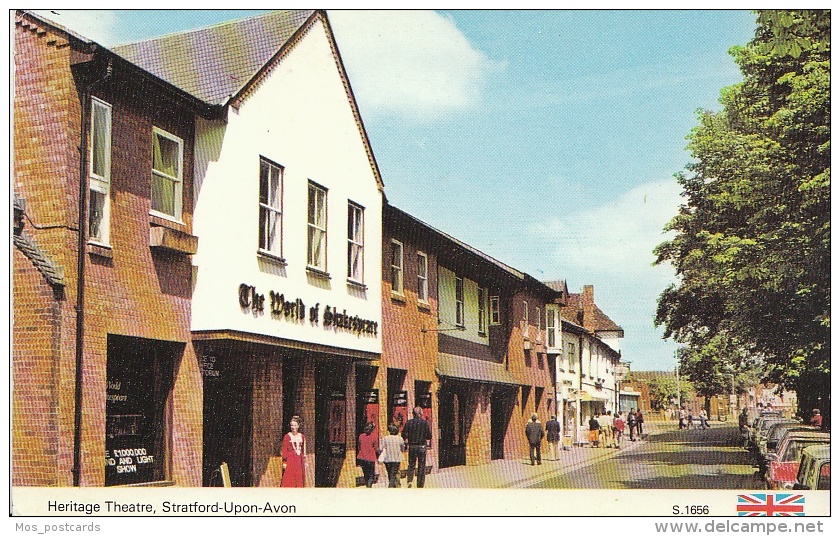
<point x="587" y="301"/>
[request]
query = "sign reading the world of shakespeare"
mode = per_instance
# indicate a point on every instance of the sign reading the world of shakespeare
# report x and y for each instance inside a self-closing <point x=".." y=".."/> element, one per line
<point x="281" y="307"/>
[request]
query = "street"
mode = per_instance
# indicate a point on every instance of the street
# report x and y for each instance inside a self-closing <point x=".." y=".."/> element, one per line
<point x="668" y="459"/>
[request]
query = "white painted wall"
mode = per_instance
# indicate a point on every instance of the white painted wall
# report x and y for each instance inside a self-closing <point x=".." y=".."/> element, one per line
<point x="299" y="117"/>
<point x="446" y="307"/>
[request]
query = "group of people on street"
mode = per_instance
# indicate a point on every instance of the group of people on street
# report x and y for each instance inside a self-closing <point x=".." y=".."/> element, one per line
<point x="535" y="434"/>
<point x="416" y="436"/>
<point x="606" y="431"/>
<point x="687" y="419"/>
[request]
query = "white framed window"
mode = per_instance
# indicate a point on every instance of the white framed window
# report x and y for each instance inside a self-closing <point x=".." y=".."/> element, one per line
<point x="549" y="327"/>
<point x="571" y="352"/>
<point x="482" y="310"/>
<point x="422" y="277"/>
<point x="495" y="313"/>
<point x="525" y="330"/>
<point x="99" y="165"/>
<point x="459" y="301"/>
<point x="271" y="208"/>
<point x="397" y="267"/>
<point x="355" y="242"/>
<point x="317" y="227"/>
<point x="539" y="323"/>
<point x="167" y="174"/>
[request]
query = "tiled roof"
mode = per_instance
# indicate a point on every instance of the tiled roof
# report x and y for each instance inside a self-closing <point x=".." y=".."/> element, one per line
<point x="213" y="64"/>
<point x="53" y="273"/>
<point x="600" y="319"/>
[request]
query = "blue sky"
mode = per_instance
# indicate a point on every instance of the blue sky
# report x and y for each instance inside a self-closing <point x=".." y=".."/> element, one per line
<point x="547" y="139"/>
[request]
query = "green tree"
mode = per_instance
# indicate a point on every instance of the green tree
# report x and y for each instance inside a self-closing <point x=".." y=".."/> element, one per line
<point x="752" y="240"/>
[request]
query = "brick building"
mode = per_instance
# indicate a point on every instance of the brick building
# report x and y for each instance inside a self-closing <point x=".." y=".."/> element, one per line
<point x="480" y="330"/>
<point x="102" y="360"/>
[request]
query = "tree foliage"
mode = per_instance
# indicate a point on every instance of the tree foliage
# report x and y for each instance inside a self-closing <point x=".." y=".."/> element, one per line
<point x="752" y="240"/>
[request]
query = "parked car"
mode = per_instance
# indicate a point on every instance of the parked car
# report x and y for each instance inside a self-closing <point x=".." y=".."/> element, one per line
<point x="783" y="464"/>
<point x="761" y="428"/>
<point x="814" y="468"/>
<point x="775" y="426"/>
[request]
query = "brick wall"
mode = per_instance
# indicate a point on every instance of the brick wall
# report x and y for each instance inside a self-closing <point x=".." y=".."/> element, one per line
<point x="131" y="291"/>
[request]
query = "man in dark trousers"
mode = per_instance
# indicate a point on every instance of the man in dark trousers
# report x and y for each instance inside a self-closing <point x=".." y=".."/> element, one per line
<point x="534" y="431"/>
<point x="417" y="434"/>
<point x="552" y="435"/>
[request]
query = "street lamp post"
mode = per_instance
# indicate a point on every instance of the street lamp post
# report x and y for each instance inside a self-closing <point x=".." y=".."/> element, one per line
<point x="678" y="383"/>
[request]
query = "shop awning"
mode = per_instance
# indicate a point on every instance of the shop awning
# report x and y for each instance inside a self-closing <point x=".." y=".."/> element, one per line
<point x="465" y="368"/>
<point x="586" y="394"/>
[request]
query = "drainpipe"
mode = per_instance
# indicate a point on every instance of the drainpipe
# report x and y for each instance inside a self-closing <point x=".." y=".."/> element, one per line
<point x="82" y="256"/>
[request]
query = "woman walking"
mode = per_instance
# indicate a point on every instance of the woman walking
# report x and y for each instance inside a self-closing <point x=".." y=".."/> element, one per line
<point x="366" y="457"/>
<point x="392" y="449"/>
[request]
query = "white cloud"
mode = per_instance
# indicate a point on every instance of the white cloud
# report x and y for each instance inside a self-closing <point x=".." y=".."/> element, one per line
<point x="99" y="25"/>
<point x="615" y="238"/>
<point x="415" y="64"/>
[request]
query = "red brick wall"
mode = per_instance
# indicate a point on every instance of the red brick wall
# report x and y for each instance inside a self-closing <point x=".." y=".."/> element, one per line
<point x="136" y="292"/>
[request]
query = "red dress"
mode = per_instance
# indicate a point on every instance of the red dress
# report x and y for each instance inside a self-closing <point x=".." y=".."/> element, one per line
<point x="294" y="454"/>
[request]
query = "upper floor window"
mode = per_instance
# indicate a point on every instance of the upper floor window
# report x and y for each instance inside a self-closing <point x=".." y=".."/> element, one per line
<point x="167" y="173"/>
<point x="317" y="227"/>
<point x="571" y="353"/>
<point x="459" y="301"/>
<point x="495" y="313"/>
<point x="539" y="324"/>
<point x="396" y="267"/>
<point x="100" y="172"/>
<point x="355" y="242"/>
<point x="271" y="207"/>
<point x="422" y="277"/>
<point x="482" y="310"/>
<point x="549" y="327"/>
<point x="525" y="330"/>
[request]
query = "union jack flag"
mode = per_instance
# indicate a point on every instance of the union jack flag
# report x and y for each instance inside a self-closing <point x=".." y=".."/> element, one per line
<point x="771" y="504"/>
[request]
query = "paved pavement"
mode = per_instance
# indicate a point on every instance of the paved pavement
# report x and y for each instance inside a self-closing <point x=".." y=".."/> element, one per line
<point x="519" y="473"/>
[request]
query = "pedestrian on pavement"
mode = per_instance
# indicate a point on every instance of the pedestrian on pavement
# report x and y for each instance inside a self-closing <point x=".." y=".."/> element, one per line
<point x="618" y="429"/>
<point x="294" y="456"/>
<point x="683" y="416"/>
<point x="606" y="422"/>
<point x="640" y="419"/>
<point x="552" y="435"/>
<point x="534" y="432"/>
<point x="417" y="434"/>
<point x="391" y="455"/>
<point x="594" y="428"/>
<point x="816" y="418"/>
<point x="690" y="420"/>
<point x="703" y="419"/>
<point x="631" y="424"/>
<point x="366" y="454"/>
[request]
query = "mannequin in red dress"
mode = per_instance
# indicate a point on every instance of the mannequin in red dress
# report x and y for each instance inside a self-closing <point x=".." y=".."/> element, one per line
<point x="294" y="456"/>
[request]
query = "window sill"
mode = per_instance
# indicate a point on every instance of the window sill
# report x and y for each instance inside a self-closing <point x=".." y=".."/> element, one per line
<point x="177" y="240"/>
<point x="318" y="272"/>
<point x="100" y="250"/>
<point x="482" y="334"/>
<point x="396" y="296"/>
<point x="267" y="255"/>
<point x="164" y="220"/>
<point x="356" y="284"/>
<point x="424" y="306"/>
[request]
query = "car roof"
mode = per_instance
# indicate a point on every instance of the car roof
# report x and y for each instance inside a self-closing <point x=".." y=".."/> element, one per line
<point x="819" y="452"/>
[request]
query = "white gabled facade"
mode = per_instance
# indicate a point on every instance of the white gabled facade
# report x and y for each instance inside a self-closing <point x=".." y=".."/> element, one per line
<point x="297" y="118"/>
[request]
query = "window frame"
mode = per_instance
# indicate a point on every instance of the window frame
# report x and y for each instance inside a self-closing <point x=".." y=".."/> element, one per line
<point x="178" y="195"/>
<point x="274" y="252"/>
<point x="550" y="327"/>
<point x="423" y="279"/>
<point x="399" y="269"/>
<point x="539" y="324"/>
<point x="526" y="332"/>
<point x="459" y="303"/>
<point x="495" y="311"/>
<point x="482" y="310"/>
<point x="310" y="226"/>
<point x="356" y="241"/>
<point x="100" y="184"/>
